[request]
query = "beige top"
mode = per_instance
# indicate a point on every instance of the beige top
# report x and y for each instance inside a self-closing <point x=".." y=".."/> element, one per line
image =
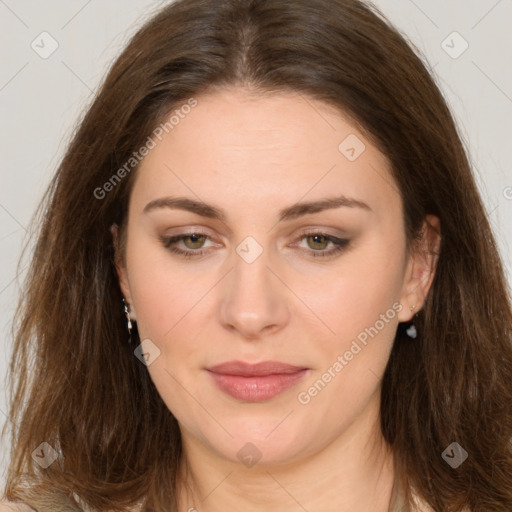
<point x="9" y="506"/>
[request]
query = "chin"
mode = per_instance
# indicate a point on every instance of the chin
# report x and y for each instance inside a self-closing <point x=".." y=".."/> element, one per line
<point x="263" y="444"/>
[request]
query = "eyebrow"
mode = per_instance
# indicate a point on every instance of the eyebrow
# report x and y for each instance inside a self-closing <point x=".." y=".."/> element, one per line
<point x="291" y="212"/>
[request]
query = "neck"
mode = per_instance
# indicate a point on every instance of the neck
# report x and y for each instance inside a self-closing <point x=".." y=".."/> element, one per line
<point x="353" y="472"/>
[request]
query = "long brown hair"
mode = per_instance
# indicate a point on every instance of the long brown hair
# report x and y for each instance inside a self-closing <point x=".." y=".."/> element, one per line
<point x="77" y="386"/>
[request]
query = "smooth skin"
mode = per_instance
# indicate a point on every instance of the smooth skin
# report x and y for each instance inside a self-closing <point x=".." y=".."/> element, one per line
<point x="251" y="156"/>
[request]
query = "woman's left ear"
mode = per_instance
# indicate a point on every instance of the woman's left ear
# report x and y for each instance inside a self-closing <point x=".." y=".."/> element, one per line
<point x="421" y="268"/>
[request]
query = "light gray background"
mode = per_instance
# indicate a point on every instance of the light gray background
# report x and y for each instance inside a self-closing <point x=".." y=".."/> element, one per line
<point x="42" y="99"/>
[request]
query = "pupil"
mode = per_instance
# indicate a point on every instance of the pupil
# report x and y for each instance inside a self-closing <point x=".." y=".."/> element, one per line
<point x="193" y="239"/>
<point x="317" y="239"/>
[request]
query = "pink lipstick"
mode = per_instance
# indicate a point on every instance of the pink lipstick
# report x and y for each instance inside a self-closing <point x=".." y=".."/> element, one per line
<point x="255" y="382"/>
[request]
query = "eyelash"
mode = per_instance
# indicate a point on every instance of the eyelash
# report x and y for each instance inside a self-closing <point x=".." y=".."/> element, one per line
<point x="340" y="245"/>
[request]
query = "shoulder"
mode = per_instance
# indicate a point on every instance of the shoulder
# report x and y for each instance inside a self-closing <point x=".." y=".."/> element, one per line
<point x="10" y="506"/>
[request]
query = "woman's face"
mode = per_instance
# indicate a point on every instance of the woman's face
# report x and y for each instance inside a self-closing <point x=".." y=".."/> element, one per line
<point x="262" y="281"/>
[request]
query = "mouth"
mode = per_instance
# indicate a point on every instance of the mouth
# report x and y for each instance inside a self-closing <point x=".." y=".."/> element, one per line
<point x="256" y="382"/>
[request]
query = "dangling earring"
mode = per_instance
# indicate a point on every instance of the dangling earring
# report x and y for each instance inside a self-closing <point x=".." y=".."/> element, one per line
<point x="411" y="330"/>
<point x="129" y="325"/>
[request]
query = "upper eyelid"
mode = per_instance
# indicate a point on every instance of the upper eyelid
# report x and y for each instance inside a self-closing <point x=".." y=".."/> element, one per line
<point x="193" y="230"/>
<point x="304" y="232"/>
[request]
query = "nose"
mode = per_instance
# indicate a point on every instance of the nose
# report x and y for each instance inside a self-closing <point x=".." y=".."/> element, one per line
<point x="254" y="299"/>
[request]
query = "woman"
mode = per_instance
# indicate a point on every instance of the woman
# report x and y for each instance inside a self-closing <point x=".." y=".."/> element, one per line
<point x="264" y="279"/>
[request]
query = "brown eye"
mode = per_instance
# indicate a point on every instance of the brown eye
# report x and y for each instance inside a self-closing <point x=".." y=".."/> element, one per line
<point x="192" y="244"/>
<point x="318" y="242"/>
<point x="197" y="241"/>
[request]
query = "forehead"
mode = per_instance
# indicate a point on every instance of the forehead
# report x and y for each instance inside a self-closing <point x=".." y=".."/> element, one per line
<point x="238" y="148"/>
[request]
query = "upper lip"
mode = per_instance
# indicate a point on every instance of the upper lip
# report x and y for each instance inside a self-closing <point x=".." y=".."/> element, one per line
<point x="254" y="370"/>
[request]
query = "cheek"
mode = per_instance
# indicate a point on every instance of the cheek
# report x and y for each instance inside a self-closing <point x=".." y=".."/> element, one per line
<point x="360" y="307"/>
<point x="168" y="303"/>
<point x="354" y="295"/>
<point x="169" y="312"/>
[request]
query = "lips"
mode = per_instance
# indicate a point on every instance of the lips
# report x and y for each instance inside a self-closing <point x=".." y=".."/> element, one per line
<point x="255" y="382"/>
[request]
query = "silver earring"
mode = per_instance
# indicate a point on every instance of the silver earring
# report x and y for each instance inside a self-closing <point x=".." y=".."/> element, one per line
<point x="129" y="325"/>
<point x="411" y="330"/>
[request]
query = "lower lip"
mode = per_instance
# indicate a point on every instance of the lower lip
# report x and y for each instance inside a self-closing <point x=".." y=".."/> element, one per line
<point x="256" y="389"/>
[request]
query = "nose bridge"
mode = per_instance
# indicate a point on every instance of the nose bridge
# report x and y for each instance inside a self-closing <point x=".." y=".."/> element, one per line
<point x="253" y="298"/>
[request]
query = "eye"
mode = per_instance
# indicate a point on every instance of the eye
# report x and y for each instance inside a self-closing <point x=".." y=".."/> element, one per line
<point x="318" y="242"/>
<point x="193" y="243"/>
